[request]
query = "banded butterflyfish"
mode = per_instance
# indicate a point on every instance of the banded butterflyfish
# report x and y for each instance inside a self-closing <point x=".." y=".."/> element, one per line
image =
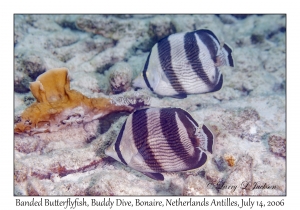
<point x="157" y="140"/>
<point x="185" y="63"/>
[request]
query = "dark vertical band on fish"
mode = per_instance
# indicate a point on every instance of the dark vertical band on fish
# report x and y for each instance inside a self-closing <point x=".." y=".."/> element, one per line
<point x="192" y="52"/>
<point x="208" y="32"/>
<point x="171" y="134"/>
<point x="140" y="136"/>
<point x="210" y="44"/>
<point x="118" y="142"/>
<point x="145" y="73"/>
<point x="190" y="125"/>
<point x="165" y="58"/>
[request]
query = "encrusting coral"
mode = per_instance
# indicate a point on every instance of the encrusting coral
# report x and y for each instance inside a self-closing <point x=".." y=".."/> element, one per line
<point x="57" y="106"/>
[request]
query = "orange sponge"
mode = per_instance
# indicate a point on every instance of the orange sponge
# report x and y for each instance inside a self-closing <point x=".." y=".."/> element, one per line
<point x="57" y="106"/>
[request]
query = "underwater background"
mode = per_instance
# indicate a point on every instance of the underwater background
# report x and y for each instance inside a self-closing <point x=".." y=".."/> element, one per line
<point x="104" y="51"/>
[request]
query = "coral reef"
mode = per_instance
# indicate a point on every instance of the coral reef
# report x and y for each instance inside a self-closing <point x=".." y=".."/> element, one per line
<point x="240" y="174"/>
<point x="230" y="160"/>
<point x="277" y="145"/>
<point x="57" y="106"/>
<point x="120" y="76"/>
<point x="159" y="27"/>
<point x="248" y="115"/>
<point x="21" y="84"/>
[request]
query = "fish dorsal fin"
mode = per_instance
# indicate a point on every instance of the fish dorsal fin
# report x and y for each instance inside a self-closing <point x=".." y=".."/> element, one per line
<point x="156" y="176"/>
<point x="210" y="138"/>
<point x="225" y="57"/>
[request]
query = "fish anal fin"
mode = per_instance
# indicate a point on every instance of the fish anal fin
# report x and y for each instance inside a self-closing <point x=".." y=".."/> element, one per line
<point x="155" y="176"/>
<point x="201" y="161"/>
<point x="219" y="85"/>
<point x="180" y="96"/>
<point x="137" y="161"/>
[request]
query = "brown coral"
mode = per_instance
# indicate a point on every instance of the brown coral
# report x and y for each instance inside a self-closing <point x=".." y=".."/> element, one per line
<point x="277" y="145"/>
<point x="57" y="106"/>
<point x="230" y="160"/>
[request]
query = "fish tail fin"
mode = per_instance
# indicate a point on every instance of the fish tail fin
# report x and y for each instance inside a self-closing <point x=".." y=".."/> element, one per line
<point x="226" y="56"/>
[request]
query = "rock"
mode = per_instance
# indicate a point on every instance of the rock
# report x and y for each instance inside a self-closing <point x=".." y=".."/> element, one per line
<point x="220" y="163"/>
<point x="160" y="27"/>
<point x="110" y="26"/>
<point x="28" y="100"/>
<point x="35" y="188"/>
<point x="277" y="145"/>
<point x="240" y="16"/>
<point x="257" y="38"/>
<point x="195" y="185"/>
<point x="62" y="38"/>
<point x="227" y="19"/>
<point x="92" y="130"/>
<point x="176" y="186"/>
<point x="120" y="77"/>
<point x="33" y="64"/>
<point x="67" y="21"/>
<point x="28" y="144"/>
<point x="20" y="172"/>
<point x="241" y="175"/>
<point x="106" y="122"/>
<point x="184" y="23"/>
<point x="21" y="82"/>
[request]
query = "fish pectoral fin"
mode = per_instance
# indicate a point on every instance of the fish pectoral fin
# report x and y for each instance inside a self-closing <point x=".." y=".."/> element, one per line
<point x="155" y="176"/>
<point x="137" y="161"/>
<point x="139" y="82"/>
<point x="220" y="61"/>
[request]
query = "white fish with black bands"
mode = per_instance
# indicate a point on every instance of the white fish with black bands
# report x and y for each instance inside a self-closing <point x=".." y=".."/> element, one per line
<point x="185" y="63"/>
<point x="156" y="140"/>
